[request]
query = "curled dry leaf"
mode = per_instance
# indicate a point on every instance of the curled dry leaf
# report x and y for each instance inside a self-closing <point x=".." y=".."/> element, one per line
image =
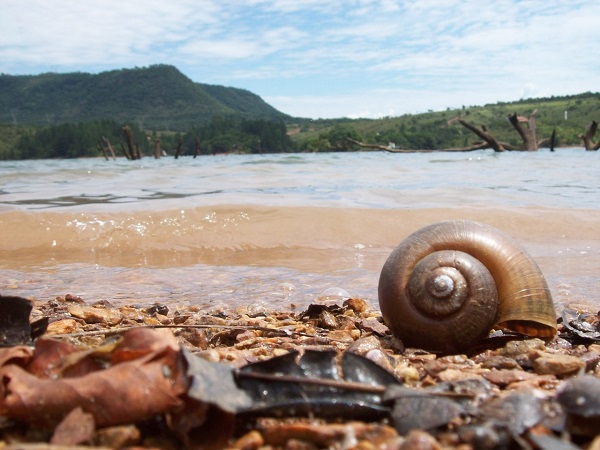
<point x="56" y="359"/>
<point x="16" y="355"/>
<point x="124" y="393"/>
<point x="77" y="428"/>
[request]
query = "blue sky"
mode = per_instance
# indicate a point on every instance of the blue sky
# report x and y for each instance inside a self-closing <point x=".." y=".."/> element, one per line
<point x="322" y="58"/>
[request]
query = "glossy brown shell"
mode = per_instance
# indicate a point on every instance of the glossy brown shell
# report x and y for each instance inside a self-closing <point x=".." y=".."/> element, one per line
<point x="518" y="298"/>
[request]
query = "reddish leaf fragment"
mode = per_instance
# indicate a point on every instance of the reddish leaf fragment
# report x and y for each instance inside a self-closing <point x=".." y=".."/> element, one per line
<point x="138" y="342"/>
<point x="125" y="393"/>
<point x="52" y="358"/>
<point x="15" y="355"/>
<point x="77" y="428"/>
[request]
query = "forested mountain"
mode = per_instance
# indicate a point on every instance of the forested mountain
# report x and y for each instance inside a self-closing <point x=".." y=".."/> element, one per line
<point x="65" y="115"/>
<point x="158" y="97"/>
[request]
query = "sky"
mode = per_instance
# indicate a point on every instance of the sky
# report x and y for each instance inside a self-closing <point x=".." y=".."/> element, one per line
<point x="322" y="58"/>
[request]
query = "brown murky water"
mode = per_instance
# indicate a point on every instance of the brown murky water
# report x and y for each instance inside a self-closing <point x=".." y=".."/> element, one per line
<point x="281" y="230"/>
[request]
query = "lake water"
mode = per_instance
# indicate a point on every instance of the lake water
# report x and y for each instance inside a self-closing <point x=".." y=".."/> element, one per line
<point x="279" y="231"/>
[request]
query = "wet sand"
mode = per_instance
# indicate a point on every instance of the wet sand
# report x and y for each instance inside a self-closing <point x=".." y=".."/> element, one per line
<point x="188" y="248"/>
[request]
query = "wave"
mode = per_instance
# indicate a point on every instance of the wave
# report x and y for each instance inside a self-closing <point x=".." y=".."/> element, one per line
<point x="248" y="234"/>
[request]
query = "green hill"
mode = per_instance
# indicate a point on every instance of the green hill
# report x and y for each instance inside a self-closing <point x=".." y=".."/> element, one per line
<point x="158" y="97"/>
<point x="570" y="116"/>
<point x="64" y="115"/>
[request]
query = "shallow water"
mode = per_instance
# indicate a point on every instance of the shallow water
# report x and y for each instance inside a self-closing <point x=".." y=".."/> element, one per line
<point x="277" y="231"/>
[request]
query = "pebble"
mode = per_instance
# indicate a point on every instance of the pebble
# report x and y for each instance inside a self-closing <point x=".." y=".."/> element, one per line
<point x="91" y="314"/>
<point x="64" y="326"/>
<point x="557" y="364"/>
<point x="420" y="440"/>
<point x="249" y="441"/>
<point x="408" y="374"/>
<point x="504" y="377"/>
<point x="364" y="345"/>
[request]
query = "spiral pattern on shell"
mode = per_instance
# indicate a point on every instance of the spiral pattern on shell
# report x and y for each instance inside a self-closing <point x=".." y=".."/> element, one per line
<point x="448" y="284"/>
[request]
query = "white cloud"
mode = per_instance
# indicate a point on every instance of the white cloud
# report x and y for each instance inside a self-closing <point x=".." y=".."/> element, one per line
<point x="322" y="58"/>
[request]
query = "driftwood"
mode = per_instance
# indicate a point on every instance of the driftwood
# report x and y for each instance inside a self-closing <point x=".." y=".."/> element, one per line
<point x="588" y="137"/>
<point x="124" y="150"/>
<point x="104" y="144"/>
<point x="477" y="146"/>
<point x="157" y="151"/>
<point x="178" y="149"/>
<point x="528" y="134"/>
<point x="103" y="150"/>
<point x="487" y="137"/>
<point x="134" y="149"/>
<point x="197" y="148"/>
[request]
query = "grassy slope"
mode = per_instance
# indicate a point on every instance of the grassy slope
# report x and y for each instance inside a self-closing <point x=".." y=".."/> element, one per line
<point x="581" y="110"/>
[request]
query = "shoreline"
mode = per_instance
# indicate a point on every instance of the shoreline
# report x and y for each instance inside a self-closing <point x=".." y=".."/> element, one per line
<point x="490" y="392"/>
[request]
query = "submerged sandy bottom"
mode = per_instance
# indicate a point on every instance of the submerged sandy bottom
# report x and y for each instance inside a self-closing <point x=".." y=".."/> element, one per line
<point x="226" y="256"/>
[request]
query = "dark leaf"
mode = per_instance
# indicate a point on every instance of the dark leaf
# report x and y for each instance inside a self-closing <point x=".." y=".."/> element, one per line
<point x="420" y="410"/>
<point x="581" y="327"/>
<point x="314" y="384"/>
<point x="14" y="321"/>
<point x="39" y="327"/>
<point x="516" y="411"/>
<point x="315" y="310"/>
<point x="362" y="370"/>
<point x="550" y="442"/>
<point x="214" y="384"/>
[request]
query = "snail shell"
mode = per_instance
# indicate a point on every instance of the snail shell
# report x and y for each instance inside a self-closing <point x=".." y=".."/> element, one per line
<point x="448" y="284"/>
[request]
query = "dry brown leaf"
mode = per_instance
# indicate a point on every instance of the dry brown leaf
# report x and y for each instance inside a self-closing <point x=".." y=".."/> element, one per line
<point x="77" y="428"/>
<point x="138" y="342"/>
<point x="16" y="355"/>
<point x="54" y="358"/>
<point x="124" y="393"/>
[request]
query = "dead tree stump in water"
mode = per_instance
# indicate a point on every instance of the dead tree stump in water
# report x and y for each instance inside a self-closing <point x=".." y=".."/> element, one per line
<point x="178" y="149"/>
<point x="485" y="135"/>
<point x="157" y="151"/>
<point x="588" y="137"/>
<point x="105" y="143"/>
<point x="528" y="134"/>
<point x="197" y="148"/>
<point x="134" y="150"/>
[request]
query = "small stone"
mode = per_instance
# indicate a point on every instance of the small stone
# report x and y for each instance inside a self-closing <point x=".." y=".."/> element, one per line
<point x="407" y="373"/>
<point x="341" y="335"/>
<point x="364" y="345"/>
<point x="357" y="305"/>
<point x="210" y="355"/>
<point x="249" y="441"/>
<point x="500" y="362"/>
<point x="504" y="377"/>
<point x="131" y="313"/>
<point x="514" y="349"/>
<point x="327" y="320"/>
<point x="91" y="314"/>
<point x="372" y="325"/>
<point x="118" y="437"/>
<point x="594" y="348"/>
<point x="456" y="374"/>
<point x="420" y="440"/>
<point x="64" y="326"/>
<point x="557" y="364"/>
